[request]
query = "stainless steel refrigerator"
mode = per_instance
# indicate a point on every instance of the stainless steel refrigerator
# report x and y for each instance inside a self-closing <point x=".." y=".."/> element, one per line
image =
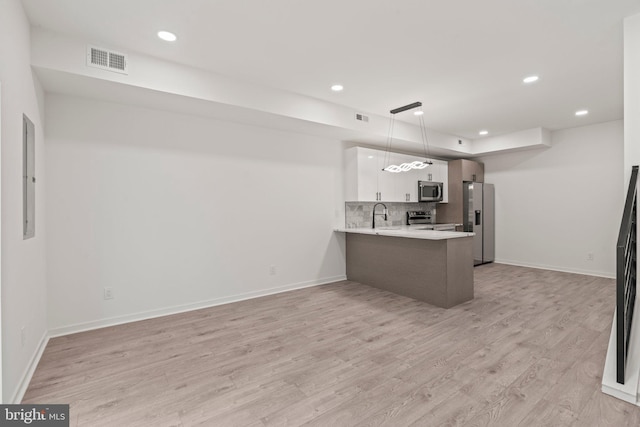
<point x="478" y="217"/>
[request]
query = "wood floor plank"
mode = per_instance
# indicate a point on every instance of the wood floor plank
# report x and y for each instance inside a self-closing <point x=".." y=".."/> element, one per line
<point x="514" y="402"/>
<point x="546" y="414"/>
<point x="574" y="389"/>
<point x="528" y="350"/>
<point x="606" y="411"/>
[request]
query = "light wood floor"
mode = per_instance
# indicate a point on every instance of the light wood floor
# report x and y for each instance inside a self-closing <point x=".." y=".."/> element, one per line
<point x="528" y="350"/>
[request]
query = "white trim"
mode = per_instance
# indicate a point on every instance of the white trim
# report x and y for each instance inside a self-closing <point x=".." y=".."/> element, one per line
<point x="556" y="268"/>
<point x="103" y="323"/>
<point x="629" y="390"/>
<point x="31" y="368"/>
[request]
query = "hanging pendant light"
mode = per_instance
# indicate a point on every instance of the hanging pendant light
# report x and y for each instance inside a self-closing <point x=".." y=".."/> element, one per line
<point x="405" y="167"/>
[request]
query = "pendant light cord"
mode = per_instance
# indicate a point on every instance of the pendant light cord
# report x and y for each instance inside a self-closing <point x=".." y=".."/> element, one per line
<point x="425" y="141"/>
<point x="389" y="139"/>
<point x="423" y="134"/>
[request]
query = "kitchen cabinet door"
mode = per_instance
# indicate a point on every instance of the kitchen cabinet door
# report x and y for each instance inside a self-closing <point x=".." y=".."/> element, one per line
<point x="479" y="172"/>
<point x="368" y="174"/>
<point x="386" y="180"/>
<point x="394" y="187"/>
<point x="430" y="173"/>
<point x="361" y="174"/>
<point x="472" y="171"/>
<point x="411" y="185"/>
<point x="366" y="181"/>
<point x="410" y="181"/>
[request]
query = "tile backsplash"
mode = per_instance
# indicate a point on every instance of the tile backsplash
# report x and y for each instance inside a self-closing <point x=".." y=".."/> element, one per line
<point x="359" y="214"/>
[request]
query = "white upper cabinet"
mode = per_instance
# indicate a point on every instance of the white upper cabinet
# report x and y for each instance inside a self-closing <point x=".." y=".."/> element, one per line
<point x="388" y="186"/>
<point x="362" y="174"/>
<point x="367" y="182"/>
<point x="407" y="182"/>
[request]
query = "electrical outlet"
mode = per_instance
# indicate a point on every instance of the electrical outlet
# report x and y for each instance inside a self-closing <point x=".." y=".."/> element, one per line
<point x="108" y="293"/>
<point x="272" y="270"/>
<point x="590" y="256"/>
<point x="23" y="335"/>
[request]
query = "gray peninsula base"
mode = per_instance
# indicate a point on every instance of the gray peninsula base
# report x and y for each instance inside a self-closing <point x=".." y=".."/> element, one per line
<point x="439" y="272"/>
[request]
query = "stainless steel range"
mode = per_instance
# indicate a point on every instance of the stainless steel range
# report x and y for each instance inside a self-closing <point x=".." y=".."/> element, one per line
<point x="419" y="217"/>
<point x="427" y="220"/>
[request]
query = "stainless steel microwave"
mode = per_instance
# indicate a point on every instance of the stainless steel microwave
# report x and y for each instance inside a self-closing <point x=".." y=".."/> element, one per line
<point x="429" y="191"/>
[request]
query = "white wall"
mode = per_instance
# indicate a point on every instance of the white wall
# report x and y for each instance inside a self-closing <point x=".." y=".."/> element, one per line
<point x="176" y="211"/>
<point x="631" y="94"/>
<point x="555" y="206"/>
<point x="23" y="261"/>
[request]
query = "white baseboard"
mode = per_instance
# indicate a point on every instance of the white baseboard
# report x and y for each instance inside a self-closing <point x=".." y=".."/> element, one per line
<point x="605" y="274"/>
<point x="103" y="323"/>
<point x="31" y="368"/>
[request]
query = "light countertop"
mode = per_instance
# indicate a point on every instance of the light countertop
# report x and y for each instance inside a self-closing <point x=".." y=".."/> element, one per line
<point x="408" y="231"/>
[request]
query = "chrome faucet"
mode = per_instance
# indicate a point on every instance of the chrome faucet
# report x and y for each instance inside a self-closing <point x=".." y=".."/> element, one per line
<point x="384" y="212"/>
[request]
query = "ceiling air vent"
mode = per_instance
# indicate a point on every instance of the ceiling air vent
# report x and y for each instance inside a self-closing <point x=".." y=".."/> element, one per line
<point x="106" y="59"/>
<point x="362" y="118"/>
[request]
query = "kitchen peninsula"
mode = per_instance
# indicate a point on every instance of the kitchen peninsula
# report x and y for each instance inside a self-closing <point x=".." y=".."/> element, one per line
<point x="431" y="266"/>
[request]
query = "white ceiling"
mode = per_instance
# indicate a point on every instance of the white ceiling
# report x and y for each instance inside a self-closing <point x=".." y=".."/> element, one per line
<point x="464" y="59"/>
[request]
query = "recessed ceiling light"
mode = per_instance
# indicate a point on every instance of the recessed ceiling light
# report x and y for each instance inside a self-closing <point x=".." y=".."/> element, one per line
<point x="167" y="36"/>
<point x="337" y="88"/>
<point x="418" y="113"/>
<point x="530" y="79"/>
<point x="483" y="132"/>
<point x="582" y="112"/>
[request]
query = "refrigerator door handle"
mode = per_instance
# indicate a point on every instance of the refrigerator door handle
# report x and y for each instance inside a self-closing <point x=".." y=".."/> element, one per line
<point x="478" y="217"/>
